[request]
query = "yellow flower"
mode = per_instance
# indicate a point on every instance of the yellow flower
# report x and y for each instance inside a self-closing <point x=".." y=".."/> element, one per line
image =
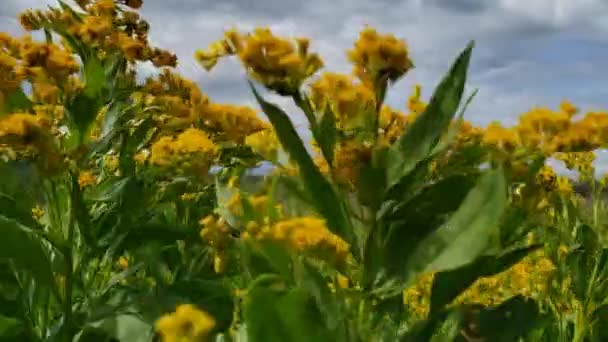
<point x="279" y="63"/>
<point x="564" y="187"/>
<point x="500" y="138"/>
<point x="192" y="149"/>
<point x="376" y="57"/>
<point x="233" y="123"/>
<point x="186" y="324"/>
<point x="110" y="163"/>
<point x="343" y="281"/>
<point x="414" y="104"/>
<point x="265" y="143"/>
<point x="353" y="103"/>
<point x="86" y="178"/>
<point x="123" y="262"/>
<point x="305" y="234"/>
<point x="215" y="232"/>
<point x="37" y="212"/>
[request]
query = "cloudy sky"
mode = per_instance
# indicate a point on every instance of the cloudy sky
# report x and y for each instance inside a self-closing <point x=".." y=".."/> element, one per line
<point x="532" y="52"/>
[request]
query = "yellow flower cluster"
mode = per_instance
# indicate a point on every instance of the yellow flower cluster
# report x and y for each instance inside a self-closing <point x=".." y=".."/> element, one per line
<point x="414" y="104"/>
<point x="86" y="178"/>
<point x="192" y="149"/>
<point x="215" y="232"/>
<point x="353" y="103"/>
<point x="349" y="157"/>
<point x="548" y="131"/>
<point x="186" y="324"/>
<point x="47" y="66"/>
<point x="579" y="161"/>
<point x="279" y="63"/>
<point x="264" y="143"/>
<point x="303" y="234"/>
<point x="391" y="124"/>
<point x="528" y="278"/>
<point x="379" y="57"/>
<point x="103" y="24"/>
<point x="233" y="123"/>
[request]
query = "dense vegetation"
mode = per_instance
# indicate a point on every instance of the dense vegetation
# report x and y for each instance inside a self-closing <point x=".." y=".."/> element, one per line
<point x="410" y="225"/>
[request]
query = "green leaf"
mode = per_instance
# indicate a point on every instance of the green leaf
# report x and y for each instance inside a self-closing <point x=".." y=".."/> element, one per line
<point x="327" y="135"/>
<point x="10" y="328"/>
<point x="453" y="130"/>
<point x="125" y="328"/>
<point x="22" y="246"/>
<point x="419" y="140"/>
<point x="471" y="231"/>
<point x="448" y="285"/>
<point x="275" y="313"/>
<point x="405" y="224"/>
<point x="16" y="101"/>
<point x="82" y="112"/>
<point x="510" y="321"/>
<point x="94" y="77"/>
<point x="310" y="279"/>
<point x="326" y="201"/>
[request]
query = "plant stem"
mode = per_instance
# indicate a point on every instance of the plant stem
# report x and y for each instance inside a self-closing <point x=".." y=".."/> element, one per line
<point x="69" y="263"/>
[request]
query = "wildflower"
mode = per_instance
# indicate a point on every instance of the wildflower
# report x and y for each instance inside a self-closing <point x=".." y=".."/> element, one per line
<point x="37" y="212"/>
<point x="86" y="178"/>
<point x="353" y="103"/>
<point x="93" y="29"/>
<point x="546" y="178"/>
<point x="132" y="48"/>
<point x="500" y="138"/>
<point x="123" y="262"/>
<point x="305" y="234"/>
<point x="265" y="143"/>
<point x="233" y="123"/>
<point x="342" y="281"/>
<point x="192" y="149"/>
<point x="376" y="57"/>
<point x="111" y="163"/>
<point x="280" y="64"/>
<point x="414" y="104"/>
<point x="187" y="323"/>
<point x="564" y="187"/>
<point x="215" y="232"/>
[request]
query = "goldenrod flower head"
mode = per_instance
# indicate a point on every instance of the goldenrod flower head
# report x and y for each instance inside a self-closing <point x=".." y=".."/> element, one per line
<point x="192" y="149"/>
<point x="215" y="232"/>
<point x="376" y="57"/>
<point x="546" y="178"/>
<point x="564" y="187"/>
<point x="305" y="234"/>
<point x="19" y="124"/>
<point x="414" y="104"/>
<point x="568" y="108"/>
<point x="37" y="212"/>
<point x="500" y="137"/>
<point x="123" y="262"/>
<point x="279" y="63"/>
<point x="187" y="323"/>
<point x="265" y="143"/>
<point x="86" y="178"/>
<point x="353" y="103"/>
<point x="233" y="123"/>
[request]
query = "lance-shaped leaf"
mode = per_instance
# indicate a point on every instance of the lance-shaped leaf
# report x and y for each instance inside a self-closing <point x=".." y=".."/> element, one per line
<point x="326" y="201"/>
<point x="424" y="134"/>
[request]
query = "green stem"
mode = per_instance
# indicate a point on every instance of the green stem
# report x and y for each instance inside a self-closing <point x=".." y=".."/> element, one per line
<point x="69" y="275"/>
